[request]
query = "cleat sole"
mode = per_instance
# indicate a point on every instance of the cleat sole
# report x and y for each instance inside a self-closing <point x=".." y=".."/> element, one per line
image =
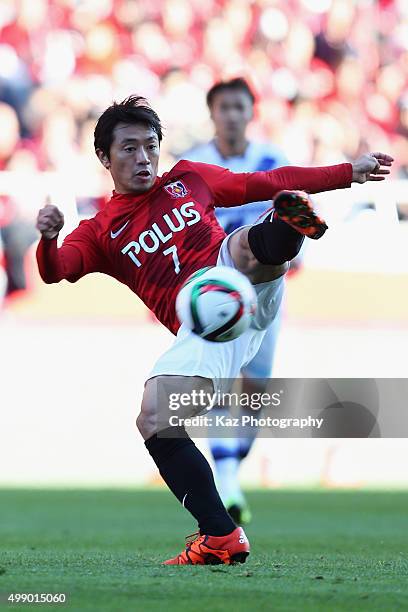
<point x="213" y="560"/>
<point x="300" y="215"/>
<point x="239" y="557"/>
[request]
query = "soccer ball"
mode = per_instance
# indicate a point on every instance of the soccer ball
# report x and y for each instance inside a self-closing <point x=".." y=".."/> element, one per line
<point x="216" y="303"/>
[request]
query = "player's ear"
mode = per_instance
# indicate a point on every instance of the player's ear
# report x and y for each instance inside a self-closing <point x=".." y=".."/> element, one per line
<point x="103" y="158"/>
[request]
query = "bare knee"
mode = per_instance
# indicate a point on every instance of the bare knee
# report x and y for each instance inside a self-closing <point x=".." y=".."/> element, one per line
<point x="154" y="414"/>
<point x="146" y="422"/>
<point x="246" y="262"/>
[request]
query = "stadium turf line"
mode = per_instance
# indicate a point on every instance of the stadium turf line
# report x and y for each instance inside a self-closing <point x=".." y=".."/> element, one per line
<point x="315" y="550"/>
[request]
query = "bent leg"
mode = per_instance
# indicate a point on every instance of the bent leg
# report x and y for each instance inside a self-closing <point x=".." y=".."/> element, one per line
<point x="182" y="466"/>
<point x="246" y="262"/>
<point x="276" y="239"/>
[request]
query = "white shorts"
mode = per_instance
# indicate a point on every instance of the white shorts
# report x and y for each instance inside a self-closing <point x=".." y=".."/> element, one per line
<point x="190" y="355"/>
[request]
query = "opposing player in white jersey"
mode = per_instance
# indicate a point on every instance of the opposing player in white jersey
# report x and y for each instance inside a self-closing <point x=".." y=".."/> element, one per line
<point x="231" y="104"/>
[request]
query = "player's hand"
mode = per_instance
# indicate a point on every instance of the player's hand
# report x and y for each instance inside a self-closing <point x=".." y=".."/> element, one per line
<point x="50" y="221"/>
<point x="371" y="167"/>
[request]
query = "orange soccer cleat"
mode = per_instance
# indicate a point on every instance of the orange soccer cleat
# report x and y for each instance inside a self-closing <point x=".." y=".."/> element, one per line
<point x="296" y="209"/>
<point x="213" y="550"/>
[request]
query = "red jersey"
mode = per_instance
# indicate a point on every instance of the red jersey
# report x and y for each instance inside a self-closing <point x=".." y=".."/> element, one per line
<point x="153" y="241"/>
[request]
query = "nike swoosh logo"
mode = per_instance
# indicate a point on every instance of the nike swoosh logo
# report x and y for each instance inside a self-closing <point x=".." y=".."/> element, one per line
<point x="114" y="234"/>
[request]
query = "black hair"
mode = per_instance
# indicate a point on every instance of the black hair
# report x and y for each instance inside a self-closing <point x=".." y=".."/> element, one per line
<point x="134" y="109"/>
<point x="238" y="84"/>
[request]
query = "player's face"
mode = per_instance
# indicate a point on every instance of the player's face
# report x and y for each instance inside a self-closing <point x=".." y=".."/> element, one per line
<point x="231" y="112"/>
<point x="134" y="157"/>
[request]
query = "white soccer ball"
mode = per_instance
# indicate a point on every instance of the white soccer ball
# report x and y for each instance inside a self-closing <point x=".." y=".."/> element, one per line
<point x="217" y="303"/>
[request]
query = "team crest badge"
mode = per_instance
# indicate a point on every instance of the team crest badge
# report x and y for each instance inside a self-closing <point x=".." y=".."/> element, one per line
<point x="177" y="189"/>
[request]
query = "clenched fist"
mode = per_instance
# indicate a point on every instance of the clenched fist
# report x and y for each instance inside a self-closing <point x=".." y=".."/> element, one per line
<point x="50" y="221"/>
<point x="369" y="167"/>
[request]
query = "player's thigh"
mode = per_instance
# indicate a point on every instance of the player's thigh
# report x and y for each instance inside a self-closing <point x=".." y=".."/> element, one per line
<point x="245" y="261"/>
<point x="191" y="356"/>
<point x="269" y="292"/>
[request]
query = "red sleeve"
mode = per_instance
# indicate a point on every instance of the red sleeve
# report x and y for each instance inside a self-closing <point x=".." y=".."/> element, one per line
<point x="78" y="255"/>
<point x="231" y="188"/>
<point x="265" y="185"/>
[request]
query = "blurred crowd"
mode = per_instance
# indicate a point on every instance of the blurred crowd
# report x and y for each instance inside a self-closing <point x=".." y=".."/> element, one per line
<point x="330" y="76"/>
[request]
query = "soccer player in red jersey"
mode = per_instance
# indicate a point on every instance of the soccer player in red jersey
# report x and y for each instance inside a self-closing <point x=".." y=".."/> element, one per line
<point x="155" y="232"/>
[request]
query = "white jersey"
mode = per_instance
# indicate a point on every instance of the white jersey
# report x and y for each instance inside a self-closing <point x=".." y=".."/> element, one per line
<point x="258" y="156"/>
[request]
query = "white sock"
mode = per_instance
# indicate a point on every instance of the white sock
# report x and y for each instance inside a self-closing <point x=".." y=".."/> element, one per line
<point x="226" y="475"/>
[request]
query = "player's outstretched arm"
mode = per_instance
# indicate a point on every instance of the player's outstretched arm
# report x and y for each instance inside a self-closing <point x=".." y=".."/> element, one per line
<point x="230" y="189"/>
<point x="368" y="167"/>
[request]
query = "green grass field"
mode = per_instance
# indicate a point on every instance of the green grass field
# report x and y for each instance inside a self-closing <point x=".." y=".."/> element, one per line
<point x="315" y="550"/>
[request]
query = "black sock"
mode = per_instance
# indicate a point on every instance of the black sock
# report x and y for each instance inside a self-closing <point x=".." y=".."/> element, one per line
<point x="274" y="243"/>
<point x="189" y="476"/>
